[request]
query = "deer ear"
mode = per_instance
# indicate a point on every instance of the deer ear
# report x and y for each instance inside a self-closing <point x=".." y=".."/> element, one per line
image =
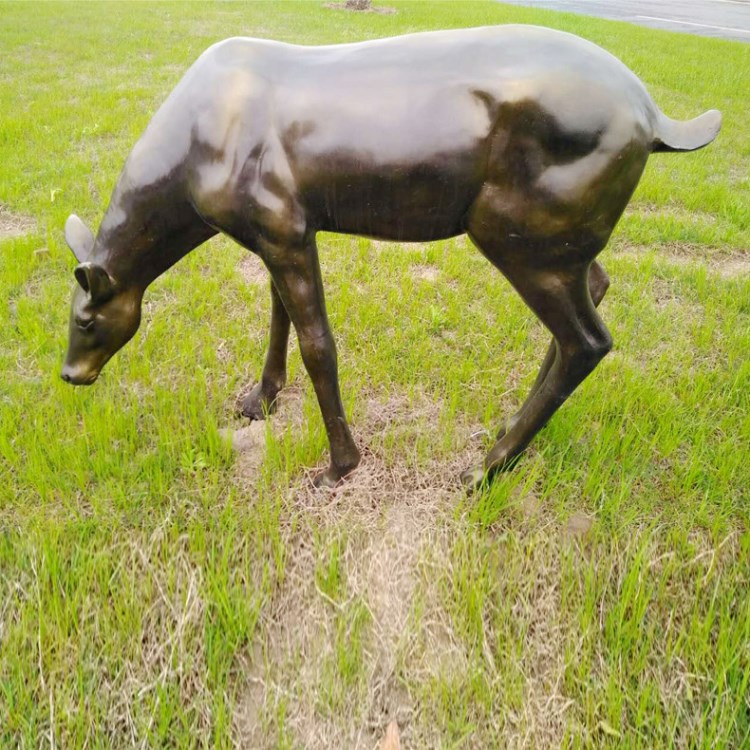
<point x="79" y="238"/>
<point x="96" y="281"/>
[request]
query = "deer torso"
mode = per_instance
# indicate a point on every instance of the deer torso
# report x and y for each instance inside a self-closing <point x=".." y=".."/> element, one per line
<point x="391" y="138"/>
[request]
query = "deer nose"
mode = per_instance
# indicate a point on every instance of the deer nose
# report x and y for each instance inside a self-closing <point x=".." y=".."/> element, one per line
<point x="75" y="376"/>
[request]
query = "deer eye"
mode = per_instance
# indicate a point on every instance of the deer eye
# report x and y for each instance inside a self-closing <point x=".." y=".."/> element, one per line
<point x="85" y="324"/>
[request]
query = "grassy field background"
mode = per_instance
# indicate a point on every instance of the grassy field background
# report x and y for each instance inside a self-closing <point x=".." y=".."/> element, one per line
<point x="168" y="577"/>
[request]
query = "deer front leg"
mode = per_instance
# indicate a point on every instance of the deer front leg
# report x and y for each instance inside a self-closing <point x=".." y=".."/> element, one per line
<point x="262" y="399"/>
<point x="296" y="276"/>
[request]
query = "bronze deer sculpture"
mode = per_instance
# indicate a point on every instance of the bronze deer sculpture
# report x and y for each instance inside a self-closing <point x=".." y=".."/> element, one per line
<point x="529" y="140"/>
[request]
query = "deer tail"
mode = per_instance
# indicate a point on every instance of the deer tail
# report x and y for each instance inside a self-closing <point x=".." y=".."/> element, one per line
<point x="674" y="135"/>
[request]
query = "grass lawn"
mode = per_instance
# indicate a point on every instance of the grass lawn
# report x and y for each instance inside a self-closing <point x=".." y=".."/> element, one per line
<point x="164" y="585"/>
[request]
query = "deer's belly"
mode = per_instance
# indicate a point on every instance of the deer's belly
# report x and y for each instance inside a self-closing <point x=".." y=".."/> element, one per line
<point x="417" y="200"/>
<point x="417" y="208"/>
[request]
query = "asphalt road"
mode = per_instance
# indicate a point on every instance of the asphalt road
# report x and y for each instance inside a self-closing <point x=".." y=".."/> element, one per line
<point x="728" y="19"/>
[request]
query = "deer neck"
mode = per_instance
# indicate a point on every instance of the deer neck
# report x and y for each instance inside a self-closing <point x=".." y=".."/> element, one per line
<point x="146" y="230"/>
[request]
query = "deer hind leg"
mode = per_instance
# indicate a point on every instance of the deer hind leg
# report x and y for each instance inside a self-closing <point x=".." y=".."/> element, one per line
<point x="598" y="286"/>
<point x="561" y="299"/>
<point x="262" y="399"/>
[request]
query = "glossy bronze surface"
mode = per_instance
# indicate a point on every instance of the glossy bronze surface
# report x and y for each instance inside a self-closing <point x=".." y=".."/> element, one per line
<point x="529" y="140"/>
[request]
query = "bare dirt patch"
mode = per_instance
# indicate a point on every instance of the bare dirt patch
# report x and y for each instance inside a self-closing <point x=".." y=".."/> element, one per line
<point x="579" y="525"/>
<point x="734" y="267"/>
<point x="248" y="438"/>
<point x="667" y="298"/>
<point x="249" y="443"/>
<point x="253" y="271"/>
<point x="423" y="272"/>
<point x="392" y="738"/>
<point x="14" y="225"/>
<point x="361" y="6"/>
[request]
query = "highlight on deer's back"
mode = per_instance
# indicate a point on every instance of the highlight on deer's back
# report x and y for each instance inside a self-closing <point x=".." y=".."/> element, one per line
<point x="529" y="140"/>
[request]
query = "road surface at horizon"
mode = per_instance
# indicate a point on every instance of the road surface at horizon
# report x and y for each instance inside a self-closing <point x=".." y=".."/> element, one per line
<point x="726" y="19"/>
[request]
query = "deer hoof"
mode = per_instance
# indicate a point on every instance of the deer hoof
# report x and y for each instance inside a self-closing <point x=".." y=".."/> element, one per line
<point x="327" y="479"/>
<point x="472" y="478"/>
<point x="259" y="403"/>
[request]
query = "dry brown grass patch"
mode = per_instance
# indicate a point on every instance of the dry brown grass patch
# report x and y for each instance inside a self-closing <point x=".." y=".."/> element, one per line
<point x="386" y="517"/>
<point x="543" y="720"/>
<point x="730" y="265"/>
<point x="426" y="273"/>
<point x="680" y="213"/>
<point x="13" y="224"/>
<point x="733" y="267"/>
<point x="253" y="271"/>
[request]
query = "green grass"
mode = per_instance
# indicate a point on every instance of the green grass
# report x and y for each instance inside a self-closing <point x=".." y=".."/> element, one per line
<point x="157" y="590"/>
